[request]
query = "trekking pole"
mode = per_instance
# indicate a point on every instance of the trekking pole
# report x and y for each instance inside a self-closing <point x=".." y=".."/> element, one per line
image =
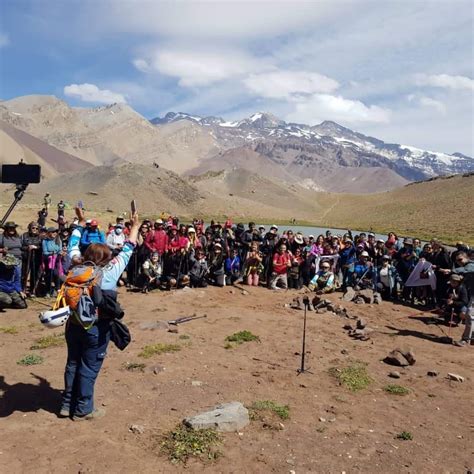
<point x="24" y="282"/>
<point x="302" y="369"/>
<point x="451" y="323"/>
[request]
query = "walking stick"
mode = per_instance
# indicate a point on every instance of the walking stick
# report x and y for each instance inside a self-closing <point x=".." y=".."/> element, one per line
<point x="27" y="270"/>
<point x="302" y="369"/>
<point x="451" y="323"/>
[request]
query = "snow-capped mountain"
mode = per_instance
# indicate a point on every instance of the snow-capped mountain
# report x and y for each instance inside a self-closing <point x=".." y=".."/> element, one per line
<point x="266" y="133"/>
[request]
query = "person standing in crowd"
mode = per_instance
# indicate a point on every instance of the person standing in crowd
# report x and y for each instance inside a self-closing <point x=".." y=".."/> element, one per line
<point x="216" y="266"/>
<point x="198" y="268"/>
<point x="51" y="247"/>
<point x="92" y="235"/>
<point x="281" y="264"/>
<point x="253" y="265"/>
<point x="61" y="206"/>
<point x="32" y="252"/>
<point x="347" y="259"/>
<point x="406" y="259"/>
<point x="387" y="279"/>
<point x="116" y="239"/>
<point x="233" y="267"/>
<point x="42" y="216"/>
<point x="442" y="266"/>
<point x="295" y="270"/>
<point x="47" y="201"/>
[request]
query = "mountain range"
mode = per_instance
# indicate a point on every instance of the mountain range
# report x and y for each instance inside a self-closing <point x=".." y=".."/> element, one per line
<point x="325" y="157"/>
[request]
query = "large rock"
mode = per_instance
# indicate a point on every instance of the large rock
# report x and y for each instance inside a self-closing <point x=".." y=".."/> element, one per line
<point x="349" y="294"/>
<point x="367" y="295"/>
<point x="231" y="416"/>
<point x="396" y="358"/>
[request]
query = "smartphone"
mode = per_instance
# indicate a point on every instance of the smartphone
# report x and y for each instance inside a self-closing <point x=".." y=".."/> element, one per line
<point x="133" y="206"/>
<point x="80" y="204"/>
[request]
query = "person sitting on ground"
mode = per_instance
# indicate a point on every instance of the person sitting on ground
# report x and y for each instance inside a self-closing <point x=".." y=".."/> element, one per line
<point x="116" y="239"/>
<point x="295" y="271"/>
<point x="233" y="267"/>
<point x="216" y="266"/>
<point x="281" y="263"/>
<point x="324" y="280"/>
<point x="457" y="300"/>
<point x="11" y="294"/>
<point x="253" y="265"/>
<point x="387" y="278"/>
<point x="198" y="268"/>
<point x="464" y="266"/>
<point x="363" y="272"/>
<point x="151" y="273"/>
<point x="92" y="235"/>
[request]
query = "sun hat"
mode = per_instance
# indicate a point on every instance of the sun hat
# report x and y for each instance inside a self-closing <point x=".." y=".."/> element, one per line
<point x="455" y="277"/>
<point x="51" y="229"/>
<point x="191" y="230"/>
<point x="408" y="241"/>
<point x="299" y="238"/>
<point x="364" y="254"/>
<point x="10" y="225"/>
<point x="9" y="260"/>
<point x="159" y="221"/>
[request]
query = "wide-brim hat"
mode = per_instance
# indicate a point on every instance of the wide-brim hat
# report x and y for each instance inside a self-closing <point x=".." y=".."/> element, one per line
<point x="10" y="224"/>
<point x="299" y="239"/>
<point x="456" y="277"/>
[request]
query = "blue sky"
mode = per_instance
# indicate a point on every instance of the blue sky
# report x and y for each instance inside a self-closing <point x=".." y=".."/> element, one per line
<point x="399" y="70"/>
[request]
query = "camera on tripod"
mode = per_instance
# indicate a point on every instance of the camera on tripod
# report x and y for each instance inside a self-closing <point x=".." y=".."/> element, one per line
<point x="21" y="175"/>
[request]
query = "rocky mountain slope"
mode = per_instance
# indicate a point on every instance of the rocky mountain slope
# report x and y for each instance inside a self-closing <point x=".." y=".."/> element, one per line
<point x="320" y="151"/>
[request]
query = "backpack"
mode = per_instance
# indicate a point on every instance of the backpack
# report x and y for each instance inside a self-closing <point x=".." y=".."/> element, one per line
<point x="82" y="293"/>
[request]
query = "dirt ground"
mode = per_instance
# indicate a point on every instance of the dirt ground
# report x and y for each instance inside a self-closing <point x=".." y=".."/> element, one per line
<point x="330" y="428"/>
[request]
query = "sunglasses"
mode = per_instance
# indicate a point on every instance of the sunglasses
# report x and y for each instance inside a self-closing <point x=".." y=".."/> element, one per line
<point x="326" y="267"/>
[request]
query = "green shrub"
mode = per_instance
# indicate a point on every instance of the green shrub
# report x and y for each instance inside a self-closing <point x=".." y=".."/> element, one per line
<point x="396" y="389"/>
<point x="154" y="349"/>
<point x="282" y="411"/>
<point x="52" y="340"/>
<point x="30" y="359"/>
<point x="354" y="377"/>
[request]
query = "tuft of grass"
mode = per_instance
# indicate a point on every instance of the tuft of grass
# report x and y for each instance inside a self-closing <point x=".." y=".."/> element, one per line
<point x="184" y="337"/>
<point x="52" y="340"/>
<point x="404" y="435"/>
<point x="354" y="377"/>
<point x="30" y="359"/>
<point x="8" y="329"/>
<point x="282" y="411"/>
<point x="396" y="389"/>
<point x="183" y="443"/>
<point x="154" y="349"/>
<point x="242" y="336"/>
<point x="134" y="366"/>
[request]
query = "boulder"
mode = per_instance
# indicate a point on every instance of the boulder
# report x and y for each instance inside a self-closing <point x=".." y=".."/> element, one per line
<point x="361" y="323"/>
<point x="226" y="417"/>
<point x="367" y="295"/>
<point x="349" y="294"/>
<point x="409" y="356"/>
<point x="396" y="358"/>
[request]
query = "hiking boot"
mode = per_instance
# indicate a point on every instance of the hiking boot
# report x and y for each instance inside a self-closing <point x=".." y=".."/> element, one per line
<point x="97" y="413"/>
<point x="64" y="413"/>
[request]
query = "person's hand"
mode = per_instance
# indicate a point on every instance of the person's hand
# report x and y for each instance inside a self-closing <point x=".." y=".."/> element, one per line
<point x="23" y="295"/>
<point x="32" y="247"/>
<point x="449" y="302"/>
<point x="80" y="214"/>
<point x="134" y="220"/>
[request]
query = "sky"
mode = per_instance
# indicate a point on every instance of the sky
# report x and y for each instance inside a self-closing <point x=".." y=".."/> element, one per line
<point x="401" y="71"/>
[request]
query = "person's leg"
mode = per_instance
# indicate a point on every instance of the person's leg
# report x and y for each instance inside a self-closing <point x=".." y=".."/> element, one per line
<point x="93" y="351"/>
<point x="17" y="301"/>
<point x="249" y="279"/>
<point x="256" y="279"/>
<point x="5" y="300"/>
<point x="73" y="341"/>
<point x="284" y="281"/>
<point x="469" y="321"/>
<point x="220" y="280"/>
<point x="274" y="281"/>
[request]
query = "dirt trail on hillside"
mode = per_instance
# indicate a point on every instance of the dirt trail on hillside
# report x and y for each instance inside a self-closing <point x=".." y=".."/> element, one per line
<point x="359" y="438"/>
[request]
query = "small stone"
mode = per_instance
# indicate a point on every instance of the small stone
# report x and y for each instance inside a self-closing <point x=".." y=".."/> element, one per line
<point x="396" y="358"/>
<point x="456" y="377"/>
<point x="432" y="373"/>
<point x="348" y="327"/>
<point x="173" y="329"/>
<point x="322" y="420"/>
<point x="367" y="295"/>
<point x="361" y="323"/>
<point x="332" y="420"/>
<point x="281" y="426"/>
<point x="244" y="292"/>
<point x="394" y="374"/>
<point x="137" y="429"/>
<point x="409" y="356"/>
<point x="231" y="292"/>
<point x="196" y="383"/>
<point x="345" y="352"/>
<point x="158" y="369"/>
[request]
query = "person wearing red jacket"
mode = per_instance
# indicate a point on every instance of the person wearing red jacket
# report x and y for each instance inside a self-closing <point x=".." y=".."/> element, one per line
<point x="281" y="264"/>
<point x="159" y="239"/>
<point x="176" y="241"/>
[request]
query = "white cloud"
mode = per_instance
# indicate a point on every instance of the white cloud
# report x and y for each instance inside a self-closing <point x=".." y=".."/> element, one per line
<point x="200" y="67"/>
<point x="286" y="84"/>
<point x="445" y="81"/>
<point x="329" y="107"/>
<point x="4" y="40"/>
<point x="429" y="102"/>
<point x="91" y="93"/>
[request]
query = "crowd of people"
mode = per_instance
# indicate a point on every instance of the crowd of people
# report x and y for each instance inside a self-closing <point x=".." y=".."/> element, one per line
<point x="170" y="255"/>
<point x="86" y="264"/>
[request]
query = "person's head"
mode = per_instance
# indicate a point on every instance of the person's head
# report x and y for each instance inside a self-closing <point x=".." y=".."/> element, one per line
<point x="182" y="229"/>
<point x="94" y="224"/>
<point x="33" y="228"/>
<point x="386" y="261"/>
<point x="235" y="252"/>
<point x="371" y="238"/>
<point x="120" y="220"/>
<point x="328" y="234"/>
<point x="144" y="228"/>
<point x="118" y="229"/>
<point x="347" y="243"/>
<point x="200" y="254"/>
<point x="427" y="248"/>
<point x="305" y="240"/>
<point x="416" y="243"/>
<point x="320" y="240"/>
<point x="10" y="229"/>
<point x="274" y="229"/>
<point x="362" y="236"/>
<point x="364" y="256"/>
<point x="408" y="243"/>
<point x="392" y="236"/>
<point x="155" y="256"/>
<point x="289" y="234"/>
<point x="99" y="254"/>
<point x="252" y="226"/>
<point x="462" y="259"/>
<point x="217" y="248"/>
<point x="298" y="252"/>
<point x="325" y="266"/>
<point x="455" y="280"/>
<point x="52" y="233"/>
<point x="254" y="246"/>
<point x="380" y="243"/>
<point x="282" y="248"/>
<point x="311" y="239"/>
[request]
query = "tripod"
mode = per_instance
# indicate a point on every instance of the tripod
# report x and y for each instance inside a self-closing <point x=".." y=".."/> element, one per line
<point x="303" y="369"/>
<point x="19" y="193"/>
